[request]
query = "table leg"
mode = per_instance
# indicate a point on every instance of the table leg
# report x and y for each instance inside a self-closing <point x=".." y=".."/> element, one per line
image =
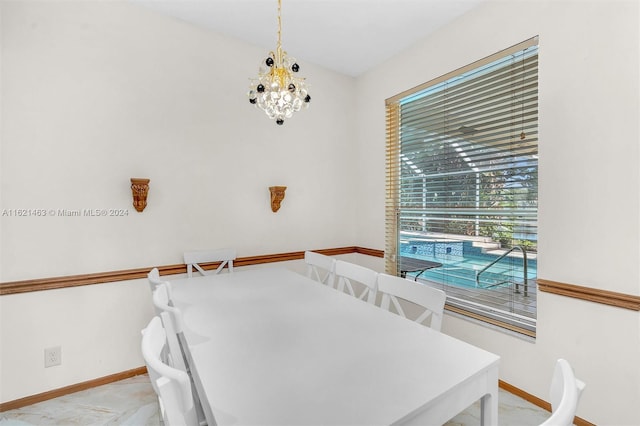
<point x="489" y="402"/>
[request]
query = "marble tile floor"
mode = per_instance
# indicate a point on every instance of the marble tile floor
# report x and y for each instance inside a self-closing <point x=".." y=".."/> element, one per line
<point x="127" y="402"/>
<point x="132" y="402"/>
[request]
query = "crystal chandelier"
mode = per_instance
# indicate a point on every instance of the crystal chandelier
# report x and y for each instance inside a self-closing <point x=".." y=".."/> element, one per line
<point x="277" y="91"/>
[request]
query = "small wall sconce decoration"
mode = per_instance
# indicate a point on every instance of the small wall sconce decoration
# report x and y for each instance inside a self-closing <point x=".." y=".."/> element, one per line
<point x="277" y="195"/>
<point x="139" y="189"/>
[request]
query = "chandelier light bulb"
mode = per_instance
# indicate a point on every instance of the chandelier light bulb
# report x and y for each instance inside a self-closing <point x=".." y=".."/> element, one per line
<point x="276" y="90"/>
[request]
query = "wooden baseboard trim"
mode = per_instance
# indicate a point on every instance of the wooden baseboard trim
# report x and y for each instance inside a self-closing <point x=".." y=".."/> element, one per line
<point x="537" y="401"/>
<point x="26" y="286"/>
<point x="605" y="297"/>
<point x="524" y="395"/>
<point x="55" y="393"/>
<point x="45" y="396"/>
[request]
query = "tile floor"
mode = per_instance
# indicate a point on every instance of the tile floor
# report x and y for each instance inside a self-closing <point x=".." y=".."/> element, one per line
<point x="132" y="402"/>
<point x="126" y="402"/>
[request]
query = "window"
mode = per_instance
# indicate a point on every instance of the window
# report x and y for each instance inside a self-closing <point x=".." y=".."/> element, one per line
<point x="462" y="187"/>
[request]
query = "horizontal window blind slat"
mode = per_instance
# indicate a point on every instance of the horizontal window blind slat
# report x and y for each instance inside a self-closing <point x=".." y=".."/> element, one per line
<point x="489" y="59"/>
<point x="514" y="88"/>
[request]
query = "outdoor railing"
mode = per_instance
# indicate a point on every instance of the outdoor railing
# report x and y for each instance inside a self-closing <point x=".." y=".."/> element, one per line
<point x="524" y="268"/>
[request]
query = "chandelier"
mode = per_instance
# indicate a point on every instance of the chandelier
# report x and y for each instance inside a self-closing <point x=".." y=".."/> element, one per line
<point x="277" y="91"/>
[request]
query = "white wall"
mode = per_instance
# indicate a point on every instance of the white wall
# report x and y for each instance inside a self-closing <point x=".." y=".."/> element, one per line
<point x="589" y="184"/>
<point x="99" y="92"/>
<point x="95" y="93"/>
<point x="97" y="327"/>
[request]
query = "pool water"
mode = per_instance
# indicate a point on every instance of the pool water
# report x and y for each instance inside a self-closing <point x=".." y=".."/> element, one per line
<point x="460" y="260"/>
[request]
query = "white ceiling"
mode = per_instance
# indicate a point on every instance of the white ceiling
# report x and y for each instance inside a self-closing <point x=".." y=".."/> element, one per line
<point x="347" y="36"/>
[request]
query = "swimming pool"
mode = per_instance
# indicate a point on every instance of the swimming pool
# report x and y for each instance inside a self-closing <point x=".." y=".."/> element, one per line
<point x="461" y="259"/>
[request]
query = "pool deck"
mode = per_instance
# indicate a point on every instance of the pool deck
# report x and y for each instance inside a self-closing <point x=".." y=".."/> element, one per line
<point x="502" y="298"/>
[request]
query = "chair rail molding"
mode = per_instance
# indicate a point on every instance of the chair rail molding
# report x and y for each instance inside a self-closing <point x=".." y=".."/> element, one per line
<point x="605" y="297"/>
<point x="40" y="284"/>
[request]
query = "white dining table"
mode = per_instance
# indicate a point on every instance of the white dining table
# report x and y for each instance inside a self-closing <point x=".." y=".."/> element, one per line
<point x="271" y="347"/>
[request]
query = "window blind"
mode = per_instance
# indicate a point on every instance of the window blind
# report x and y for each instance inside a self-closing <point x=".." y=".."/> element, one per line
<point x="462" y="179"/>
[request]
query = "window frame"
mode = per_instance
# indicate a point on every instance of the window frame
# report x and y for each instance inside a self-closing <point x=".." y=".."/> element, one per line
<point x="393" y="185"/>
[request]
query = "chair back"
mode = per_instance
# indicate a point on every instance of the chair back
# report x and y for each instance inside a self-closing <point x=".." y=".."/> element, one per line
<point x="172" y="322"/>
<point x="193" y="258"/>
<point x="431" y="299"/>
<point x="564" y="394"/>
<point x="172" y="386"/>
<point x="154" y="278"/>
<point x="320" y="267"/>
<point x="154" y="281"/>
<point x="347" y="272"/>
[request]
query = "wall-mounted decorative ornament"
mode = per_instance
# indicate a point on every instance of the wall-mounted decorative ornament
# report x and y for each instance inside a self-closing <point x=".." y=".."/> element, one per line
<point x="139" y="189"/>
<point x="277" y="195"/>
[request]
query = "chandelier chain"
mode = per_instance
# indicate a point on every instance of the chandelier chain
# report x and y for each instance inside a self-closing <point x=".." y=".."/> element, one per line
<point x="279" y="46"/>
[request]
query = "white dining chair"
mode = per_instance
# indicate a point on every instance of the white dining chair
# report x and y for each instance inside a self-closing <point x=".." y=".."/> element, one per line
<point x="347" y="273"/>
<point x="193" y="258"/>
<point x="171" y="385"/>
<point x="154" y="278"/>
<point x="565" y="394"/>
<point x="175" y="353"/>
<point x="154" y="281"/>
<point x="172" y="322"/>
<point x="320" y="267"/>
<point x="431" y="299"/>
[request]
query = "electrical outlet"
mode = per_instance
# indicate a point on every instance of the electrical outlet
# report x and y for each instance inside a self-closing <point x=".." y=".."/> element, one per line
<point x="52" y="356"/>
